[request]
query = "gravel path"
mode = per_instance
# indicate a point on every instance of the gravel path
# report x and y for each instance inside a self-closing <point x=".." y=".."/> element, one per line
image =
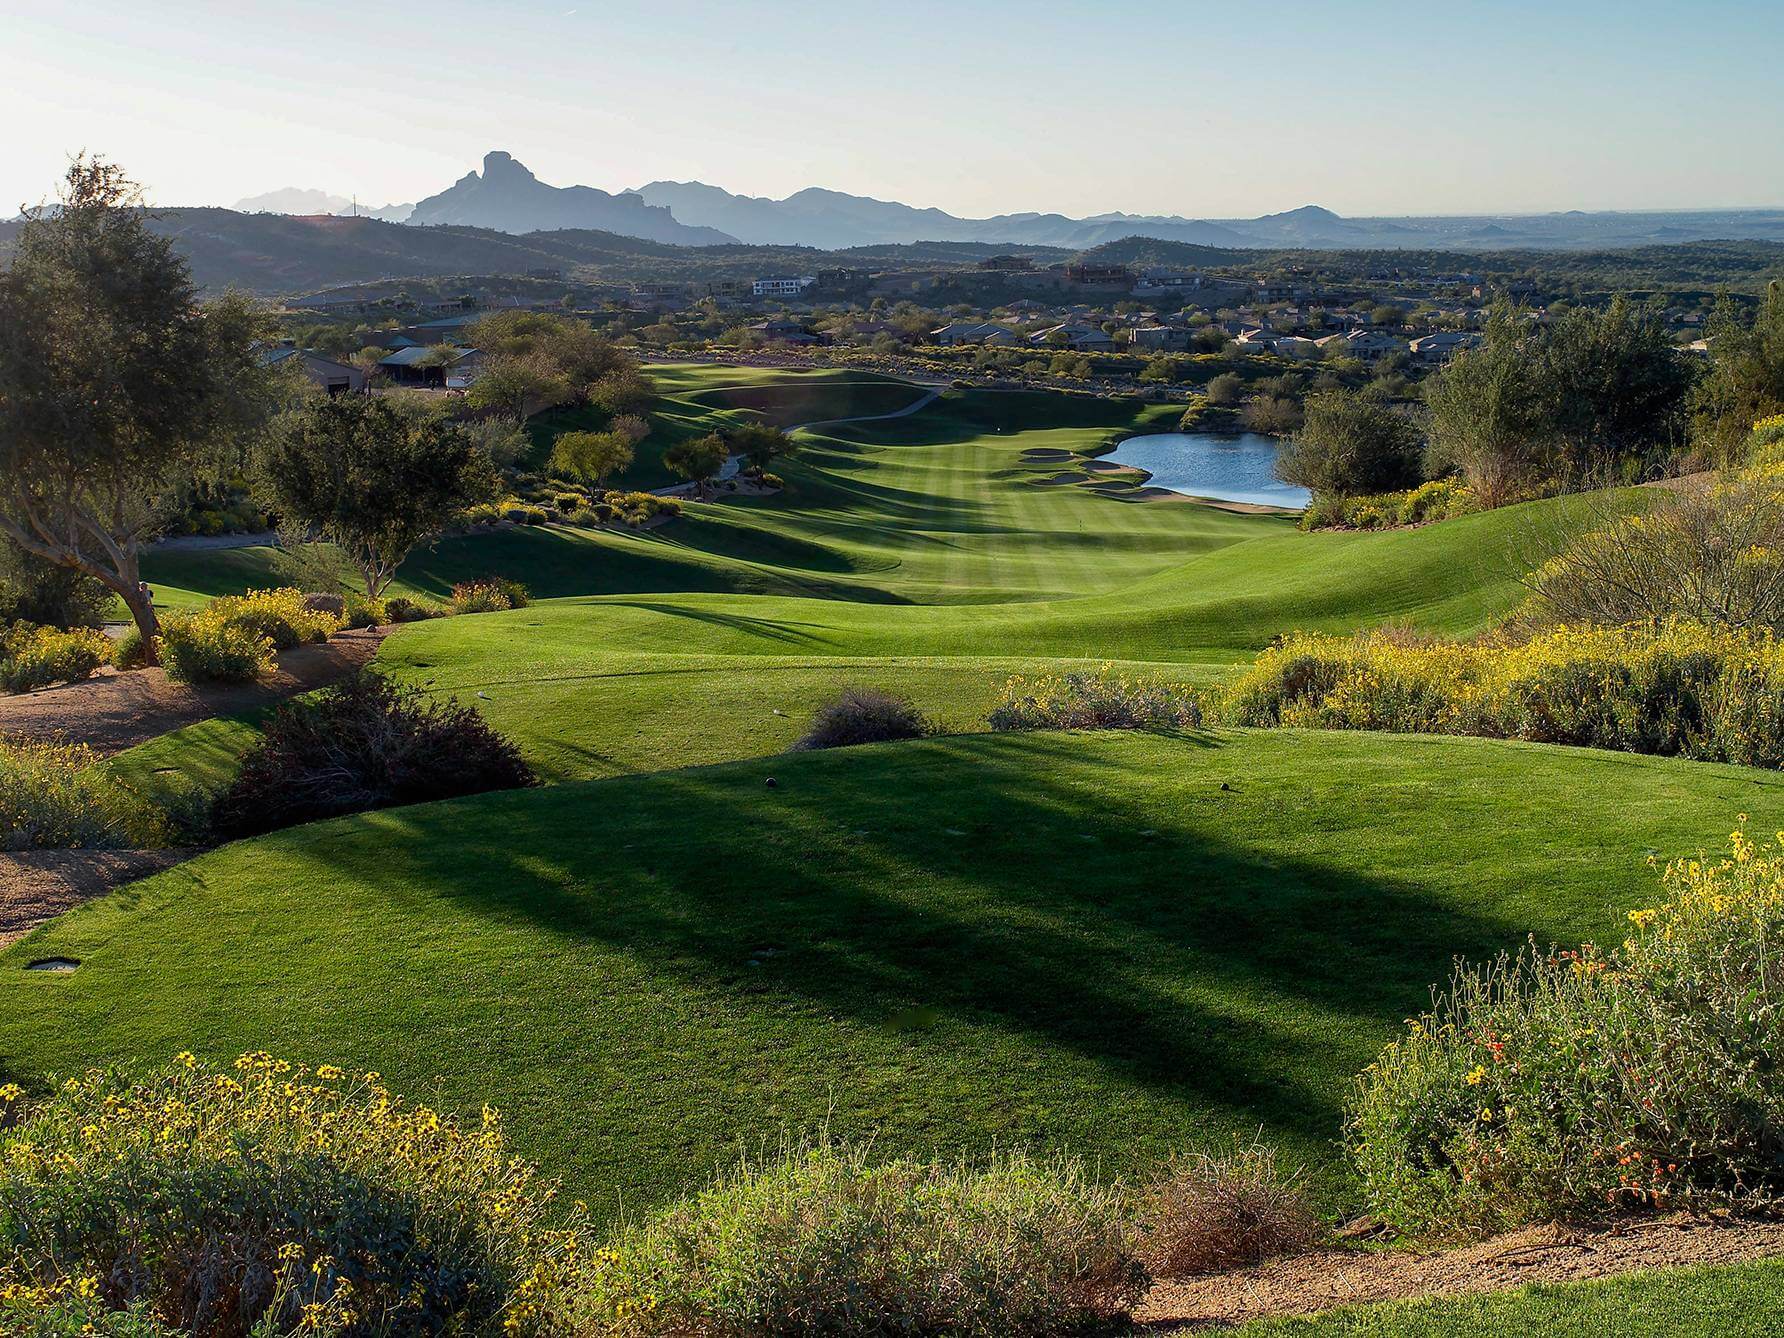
<point x="113" y="711"/>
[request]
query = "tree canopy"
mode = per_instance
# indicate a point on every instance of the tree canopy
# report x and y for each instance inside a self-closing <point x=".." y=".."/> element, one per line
<point x="372" y="477"/>
<point x="116" y="383"/>
<point x="1352" y="444"/>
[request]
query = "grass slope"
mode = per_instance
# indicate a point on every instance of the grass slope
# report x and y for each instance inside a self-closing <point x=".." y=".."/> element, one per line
<point x="1113" y="944"/>
<point x="1738" y="1301"/>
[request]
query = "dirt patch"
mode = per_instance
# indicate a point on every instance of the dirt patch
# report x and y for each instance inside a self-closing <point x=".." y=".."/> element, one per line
<point x="113" y="711"/>
<point x="1328" y="1278"/>
<point x="1698" y="482"/>
<point x="38" y="885"/>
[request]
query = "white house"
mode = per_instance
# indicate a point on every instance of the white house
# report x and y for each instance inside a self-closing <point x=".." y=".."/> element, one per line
<point x="1444" y="345"/>
<point x="1078" y="338"/>
<point x="782" y="286"/>
<point x="974" y="332"/>
<point x="1372" y="345"/>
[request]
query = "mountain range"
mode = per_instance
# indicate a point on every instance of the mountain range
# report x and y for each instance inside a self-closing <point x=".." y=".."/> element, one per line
<point x="505" y="196"/>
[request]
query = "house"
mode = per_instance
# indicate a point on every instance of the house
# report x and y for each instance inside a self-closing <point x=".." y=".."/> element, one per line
<point x="788" y="332"/>
<point x="974" y="332"/>
<point x="1078" y="338"/>
<point x="1297" y="346"/>
<point x="442" y="331"/>
<point x="1161" y="339"/>
<point x="1443" y="346"/>
<point x="1114" y="275"/>
<point x="1372" y="345"/>
<point x="782" y="286"/>
<point x="1165" y="282"/>
<point x="337" y="378"/>
<point x="423" y="366"/>
<point x="1251" y="339"/>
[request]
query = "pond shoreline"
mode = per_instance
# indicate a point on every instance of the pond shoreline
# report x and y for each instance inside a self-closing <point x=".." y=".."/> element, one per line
<point x="1242" y="455"/>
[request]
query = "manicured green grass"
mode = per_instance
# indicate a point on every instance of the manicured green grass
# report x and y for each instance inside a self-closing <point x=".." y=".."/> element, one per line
<point x="1737" y="1301"/>
<point x="1115" y="944"/>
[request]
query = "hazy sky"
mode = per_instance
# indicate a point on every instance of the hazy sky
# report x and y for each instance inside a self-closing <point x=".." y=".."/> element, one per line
<point x="977" y="106"/>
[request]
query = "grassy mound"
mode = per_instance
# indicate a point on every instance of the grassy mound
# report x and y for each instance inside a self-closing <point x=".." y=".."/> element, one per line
<point x="1113" y="945"/>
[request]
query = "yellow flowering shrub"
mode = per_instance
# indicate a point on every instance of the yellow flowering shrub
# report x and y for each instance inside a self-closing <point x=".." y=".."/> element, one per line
<point x="1567" y="1082"/>
<point x="59" y="796"/>
<point x="1437" y="499"/>
<point x="233" y="638"/>
<point x="1682" y="689"/>
<point x="278" y="615"/>
<point x="269" y="1198"/>
<point x="31" y="657"/>
<point x="1100" y="700"/>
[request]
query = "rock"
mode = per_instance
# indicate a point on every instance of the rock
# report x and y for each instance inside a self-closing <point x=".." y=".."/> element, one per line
<point x="320" y="603"/>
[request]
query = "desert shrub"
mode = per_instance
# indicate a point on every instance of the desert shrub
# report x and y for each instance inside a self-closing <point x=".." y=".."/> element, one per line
<point x="1439" y="499"/>
<point x="1681" y="689"/>
<point x="819" y="1240"/>
<point x="31" y="657"/>
<point x="487" y="594"/>
<point x="358" y="611"/>
<point x="271" y="1198"/>
<point x="365" y="743"/>
<point x="1712" y="556"/>
<point x="863" y="715"/>
<point x="766" y="479"/>
<point x="281" y="616"/>
<point x="403" y="609"/>
<point x="1352" y="444"/>
<point x="56" y="797"/>
<point x="73" y="1308"/>
<point x="202" y="648"/>
<point x="1208" y="1213"/>
<point x="640" y="508"/>
<point x="129" y="652"/>
<point x="1100" y="700"/>
<point x="1564" y="1083"/>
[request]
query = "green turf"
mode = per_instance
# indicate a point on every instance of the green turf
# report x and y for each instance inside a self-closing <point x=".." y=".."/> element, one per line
<point x="1736" y="1301"/>
<point x="1115" y="944"/>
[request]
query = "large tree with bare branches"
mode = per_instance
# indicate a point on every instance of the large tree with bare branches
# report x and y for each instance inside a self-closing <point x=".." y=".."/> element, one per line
<point x="116" y="384"/>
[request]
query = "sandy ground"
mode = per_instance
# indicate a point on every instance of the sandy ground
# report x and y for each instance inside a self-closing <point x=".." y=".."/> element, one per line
<point x="113" y="711"/>
<point x="38" y="885"/>
<point x="1328" y="1278"/>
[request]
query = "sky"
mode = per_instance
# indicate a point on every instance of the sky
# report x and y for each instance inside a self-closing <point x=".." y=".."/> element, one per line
<point x="974" y="106"/>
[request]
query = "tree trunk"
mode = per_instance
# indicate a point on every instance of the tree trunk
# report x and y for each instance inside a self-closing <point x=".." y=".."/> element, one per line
<point x="142" y="611"/>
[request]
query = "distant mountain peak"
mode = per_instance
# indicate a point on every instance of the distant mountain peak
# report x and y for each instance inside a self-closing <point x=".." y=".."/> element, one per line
<point x="507" y="197"/>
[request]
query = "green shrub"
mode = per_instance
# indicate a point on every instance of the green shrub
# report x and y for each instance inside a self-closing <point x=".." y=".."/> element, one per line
<point x="487" y="594"/>
<point x="1440" y="499"/>
<point x="362" y="612"/>
<point x="403" y="609"/>
<point x="128" y="652"/>
<point x="32" y="657"/>
<point x="223" y="1201"/>
<point x="73" y="1308"/>
<point x="819" y="1240"/>
<point x="1566" y="1083"/>
<point x="1100" y="700"/>
<point x="56" y="797"/>
<point x="201" y="648"/>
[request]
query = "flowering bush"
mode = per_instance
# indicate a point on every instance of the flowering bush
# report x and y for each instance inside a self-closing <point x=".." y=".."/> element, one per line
<point x="1711" y="694"/>
<point x="281" y="616"/>
<point x="821" y="1241"/>
<point x="31" y="657"/>
<point x="487" y="594"/>
<point x="272" y="1198"/>
<point x="72" y="1308"/>
<point x="54" y="797"/>
<point x="1439" y="499"/>
<point x="1567" y="1082"/>
<point x="1100" y="700"/>
<point x="203" y="648"/>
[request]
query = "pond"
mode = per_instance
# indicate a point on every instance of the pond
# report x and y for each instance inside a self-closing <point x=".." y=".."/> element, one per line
<point x="1235" y="468"/>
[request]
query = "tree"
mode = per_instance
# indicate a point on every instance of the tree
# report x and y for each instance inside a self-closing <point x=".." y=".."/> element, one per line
<point x="115" y="383"/>
<point x="517" y="387"/>
<point x="1746" y="378"/>
<point x="628" y="391"/>
<point x="1486" y="417"/>
<point x="1613" y="390"/>
<point x="759" y="443"/>
<point x="697" y="459"/>
<point x="1350" y="445"/>
<point x="372" y="478"/>
<point x="590" y="456"/>
<point x="1225" y="389"/>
